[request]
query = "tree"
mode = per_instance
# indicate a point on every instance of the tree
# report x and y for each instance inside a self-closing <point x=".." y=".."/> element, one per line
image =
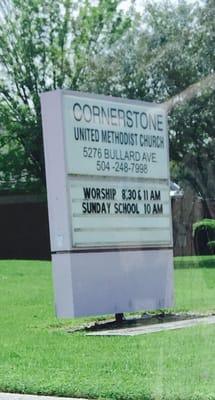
<point x="170" y="58"/>
<point x="44" y="45"/>
<point x="164" y="54"/>
<point x="192" y="119"/>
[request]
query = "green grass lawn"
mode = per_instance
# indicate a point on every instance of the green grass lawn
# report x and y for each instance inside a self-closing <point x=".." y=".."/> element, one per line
<point x="37" y="355"/>
<point x="195" y="284"/>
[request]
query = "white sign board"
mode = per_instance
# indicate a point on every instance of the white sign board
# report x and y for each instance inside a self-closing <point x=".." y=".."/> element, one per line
<point x="107" y="163"/>
<point x="120" y="152"/>
<point x="116" y="139"/>
<point x="120" y="213"/>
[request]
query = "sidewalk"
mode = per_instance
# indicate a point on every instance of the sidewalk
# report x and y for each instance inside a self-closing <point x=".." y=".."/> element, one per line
<point x="14" y="396"/>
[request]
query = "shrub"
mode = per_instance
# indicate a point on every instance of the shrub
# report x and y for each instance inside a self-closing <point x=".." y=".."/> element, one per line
<point x="211" y="246"/>
<point x="203" y="234"/>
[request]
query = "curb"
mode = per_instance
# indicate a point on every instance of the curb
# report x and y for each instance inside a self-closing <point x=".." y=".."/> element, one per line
<point x="153" y="328"/>
<point x="16" y="396"/>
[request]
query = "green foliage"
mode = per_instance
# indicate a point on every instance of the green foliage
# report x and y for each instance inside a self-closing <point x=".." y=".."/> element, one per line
<point x="170" y="48"/>
<point x="192" y="138"/>
<point x="194" y="262"/>
<point x="44" y="45"/>
<point x="152" y="56"/>
<point x="204" y="225"/>
<point x="192" y="143"/>
<point x="211" y="245"/>
<point x="203" y="233"/>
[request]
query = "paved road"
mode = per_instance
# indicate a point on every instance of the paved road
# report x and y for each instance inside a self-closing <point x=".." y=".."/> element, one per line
<point x="12" y="396"/>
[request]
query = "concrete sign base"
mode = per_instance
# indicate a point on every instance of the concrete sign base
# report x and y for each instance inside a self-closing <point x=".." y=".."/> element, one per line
<point x="112" y="282"/>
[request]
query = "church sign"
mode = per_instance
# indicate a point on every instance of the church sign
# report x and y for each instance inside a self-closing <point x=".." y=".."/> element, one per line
<point x="107" y="165"/>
